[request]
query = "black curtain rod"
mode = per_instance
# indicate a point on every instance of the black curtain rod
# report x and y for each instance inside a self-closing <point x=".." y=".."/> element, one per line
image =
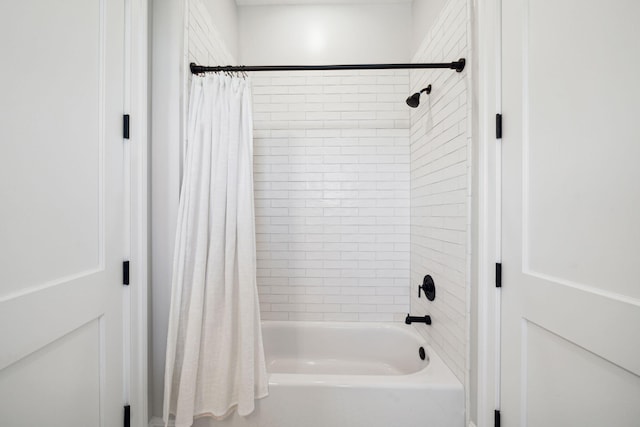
<point x="198" y="69"/>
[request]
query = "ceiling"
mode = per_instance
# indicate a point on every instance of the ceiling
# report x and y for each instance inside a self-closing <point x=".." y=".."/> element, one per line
<point x="310" y="2"/>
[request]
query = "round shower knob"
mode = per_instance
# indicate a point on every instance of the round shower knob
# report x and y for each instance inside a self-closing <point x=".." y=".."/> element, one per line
<point x="428" y="287"/>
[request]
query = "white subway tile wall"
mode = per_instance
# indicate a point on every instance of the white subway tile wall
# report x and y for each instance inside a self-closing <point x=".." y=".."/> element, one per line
<point x="204" y="45"/>
<point x="440" y="187"/>
<point x="331" y="174"/>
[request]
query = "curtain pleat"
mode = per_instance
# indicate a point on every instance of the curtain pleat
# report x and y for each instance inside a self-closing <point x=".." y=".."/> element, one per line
<point x="215" y="358"/>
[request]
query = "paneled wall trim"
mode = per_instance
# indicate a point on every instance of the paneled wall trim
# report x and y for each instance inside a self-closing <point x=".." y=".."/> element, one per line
<point x="440" y="187"/>
<point x="331" y="153"/>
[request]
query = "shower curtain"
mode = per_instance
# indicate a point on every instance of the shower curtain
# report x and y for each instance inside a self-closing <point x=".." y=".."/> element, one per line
<point x="215" y="358"/>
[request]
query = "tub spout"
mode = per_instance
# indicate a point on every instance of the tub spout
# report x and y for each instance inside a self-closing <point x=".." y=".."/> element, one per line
<point x="417" y="319"/>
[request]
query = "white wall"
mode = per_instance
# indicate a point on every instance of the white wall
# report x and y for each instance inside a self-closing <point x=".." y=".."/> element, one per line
<point x="224" y="17"/>
<point x="423" y="14"/>
<point x="440" y="187"/>
<point x="166" y="129"/>
<point x="332" y="194"/>
<point x="205" y="45"/>
<point x="325" y="34"/>
<point x="474" y="282"/>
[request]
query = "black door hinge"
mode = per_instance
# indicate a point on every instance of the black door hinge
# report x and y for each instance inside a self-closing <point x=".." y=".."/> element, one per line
<point x="125" y="126"/>
<point x="125" y="273"/>
<point x="127" y="416"/>
<point x="498" y="275"/>
<point x="496" y="418"/>
<point x="498" y="126"/>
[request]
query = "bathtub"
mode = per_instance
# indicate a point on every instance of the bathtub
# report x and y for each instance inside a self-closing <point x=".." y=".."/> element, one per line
<point x="332" y="374"/>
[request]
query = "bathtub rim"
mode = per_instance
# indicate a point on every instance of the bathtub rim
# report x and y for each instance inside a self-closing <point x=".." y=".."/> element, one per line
<point x="436" y="374"/>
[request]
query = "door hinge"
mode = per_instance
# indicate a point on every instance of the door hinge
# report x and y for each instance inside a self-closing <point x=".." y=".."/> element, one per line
<point x="125" y="273"/>
<point x="498" y="275"/>
<point x="127" y="416"/>
<point x="496" y="418"/>
<point x="125" y="126"/>
<point x="498" y="126"/>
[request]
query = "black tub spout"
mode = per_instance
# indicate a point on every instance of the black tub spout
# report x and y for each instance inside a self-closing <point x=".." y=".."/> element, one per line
<point x="417" y="319"/>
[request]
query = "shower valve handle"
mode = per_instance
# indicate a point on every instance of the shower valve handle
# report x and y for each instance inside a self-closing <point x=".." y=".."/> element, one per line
<point x="428" y="287"/>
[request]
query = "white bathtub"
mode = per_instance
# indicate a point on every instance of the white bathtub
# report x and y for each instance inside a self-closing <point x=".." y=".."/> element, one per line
<point x="330" y="374"/>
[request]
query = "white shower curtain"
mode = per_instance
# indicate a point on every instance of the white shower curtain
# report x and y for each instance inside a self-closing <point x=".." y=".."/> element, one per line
<point x="215" y="358"/>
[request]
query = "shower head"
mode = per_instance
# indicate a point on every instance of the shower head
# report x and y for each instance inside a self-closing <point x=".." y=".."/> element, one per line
<point x="414" y="100"/>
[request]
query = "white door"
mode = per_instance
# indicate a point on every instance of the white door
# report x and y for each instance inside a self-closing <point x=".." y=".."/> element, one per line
<point x="61" y="213"/>
<point x="571" y="213"/>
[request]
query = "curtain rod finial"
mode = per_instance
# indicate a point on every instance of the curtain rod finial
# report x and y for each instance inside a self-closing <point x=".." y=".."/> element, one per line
<point x="196" y="69"/>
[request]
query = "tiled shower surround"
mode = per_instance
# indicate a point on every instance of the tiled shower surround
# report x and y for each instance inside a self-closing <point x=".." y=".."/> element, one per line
<point x="359" y="196"/>
<point x="331" y="173"/>
<point x="440" y="187"/>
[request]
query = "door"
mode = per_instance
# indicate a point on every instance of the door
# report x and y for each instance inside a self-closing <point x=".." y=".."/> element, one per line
<point x="571" y="213"/>
<point x="61" y="213"/>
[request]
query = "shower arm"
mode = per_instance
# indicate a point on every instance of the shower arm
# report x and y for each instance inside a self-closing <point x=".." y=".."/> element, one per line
<point x="427" y="90"/>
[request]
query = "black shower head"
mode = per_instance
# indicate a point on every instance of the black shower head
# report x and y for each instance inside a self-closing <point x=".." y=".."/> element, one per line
<point x="414" y="100"/>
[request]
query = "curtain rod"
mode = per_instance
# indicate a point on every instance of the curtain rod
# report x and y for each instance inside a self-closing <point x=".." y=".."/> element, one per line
<point x="199" y="69"/>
